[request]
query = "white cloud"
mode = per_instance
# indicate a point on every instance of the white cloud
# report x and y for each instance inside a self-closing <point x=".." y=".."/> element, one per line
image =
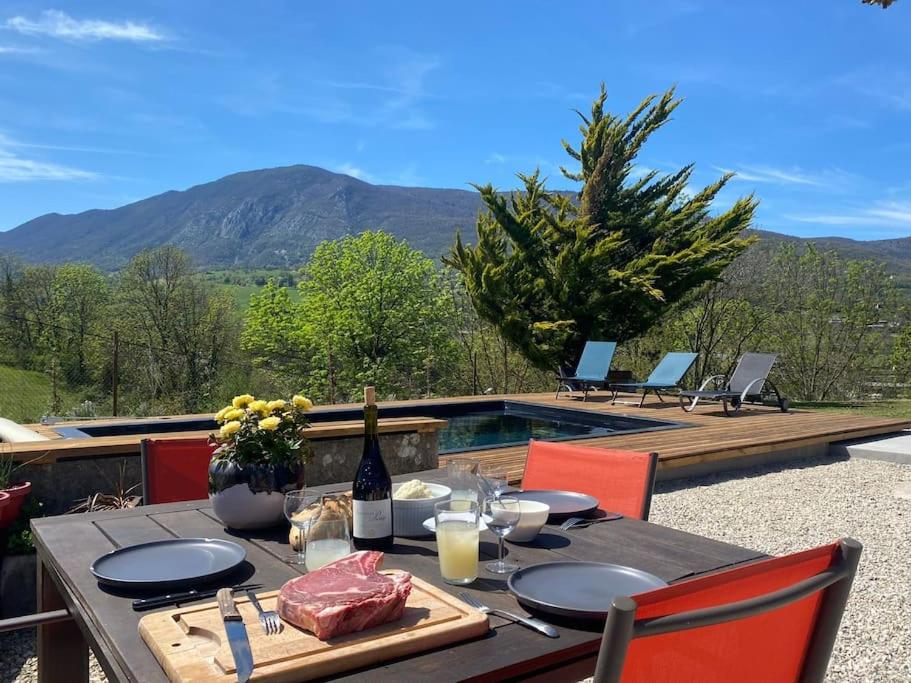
<point x="495" y="158"/>
<point x="354" y="171"/>
<point x="16" y="50"/>
<point x="14" y="168"/>
<point x="897" y="214"/>
<point x="57" y="24"/>
<point x="768" y="174"/>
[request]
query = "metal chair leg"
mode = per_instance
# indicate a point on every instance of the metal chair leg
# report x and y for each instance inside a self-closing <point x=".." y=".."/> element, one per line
<point x="642" y="400"/>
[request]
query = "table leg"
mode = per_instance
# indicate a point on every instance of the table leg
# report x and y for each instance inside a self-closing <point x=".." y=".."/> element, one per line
<point x="63" y="655"/>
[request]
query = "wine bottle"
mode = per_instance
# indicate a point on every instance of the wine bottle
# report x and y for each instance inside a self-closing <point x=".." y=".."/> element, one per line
<point x="372" y="489"/>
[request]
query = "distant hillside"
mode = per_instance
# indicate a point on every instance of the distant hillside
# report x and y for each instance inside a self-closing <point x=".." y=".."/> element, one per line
<point x="275" y="217"/>
<point x="272" y="217"/>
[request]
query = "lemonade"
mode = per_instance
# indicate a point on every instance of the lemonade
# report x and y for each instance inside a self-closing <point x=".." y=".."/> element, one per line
<point x="325" y="550"/>
<point x="457" y="544"/>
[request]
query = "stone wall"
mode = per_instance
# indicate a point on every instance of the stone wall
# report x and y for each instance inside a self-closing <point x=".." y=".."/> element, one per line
<point x="61" y="484"/>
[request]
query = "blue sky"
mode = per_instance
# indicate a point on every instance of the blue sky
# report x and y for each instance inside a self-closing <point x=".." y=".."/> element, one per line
<point x="104" y="103"/>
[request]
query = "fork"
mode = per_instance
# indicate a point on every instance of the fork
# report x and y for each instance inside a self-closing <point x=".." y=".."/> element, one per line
<point x="530" y="622"/>
<point x="268" y="620"/>
<point x="573" y="521"/>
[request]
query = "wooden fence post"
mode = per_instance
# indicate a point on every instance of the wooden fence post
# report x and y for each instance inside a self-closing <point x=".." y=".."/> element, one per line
<point x="115" y="362"/>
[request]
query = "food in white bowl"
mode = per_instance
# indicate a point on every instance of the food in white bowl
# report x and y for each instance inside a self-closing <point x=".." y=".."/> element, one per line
<point x="414" y="489"/>
<point x="408" y="514"/>
<point x="532" y="518"/>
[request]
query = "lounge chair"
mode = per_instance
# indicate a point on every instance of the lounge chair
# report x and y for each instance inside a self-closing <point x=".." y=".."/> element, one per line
<point x="772" y="620"/>
<point x="666" y="375"/>
<point x="749" y="383"/>
<point x="591" y="372"/>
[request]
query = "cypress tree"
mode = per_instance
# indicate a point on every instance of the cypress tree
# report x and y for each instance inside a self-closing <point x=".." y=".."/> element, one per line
<point x="551" y="270"/>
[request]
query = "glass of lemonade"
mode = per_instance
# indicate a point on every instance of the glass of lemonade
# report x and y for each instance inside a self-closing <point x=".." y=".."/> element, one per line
<point x="457" y="540"/>
<point x="328" y="537"/>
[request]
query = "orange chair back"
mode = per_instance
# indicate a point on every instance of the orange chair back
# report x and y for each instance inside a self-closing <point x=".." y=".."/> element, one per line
<point x="622" y="481"/>
<point x="773" y="620"/>
<point x="175" y="470"/>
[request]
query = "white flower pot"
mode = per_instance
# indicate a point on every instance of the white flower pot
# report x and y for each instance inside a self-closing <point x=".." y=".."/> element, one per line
<point x="239" y="508"/>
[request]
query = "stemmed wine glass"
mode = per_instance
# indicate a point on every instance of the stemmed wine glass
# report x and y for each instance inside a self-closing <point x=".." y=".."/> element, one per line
<point x="297" y="503"/>
<point x="502" y="515"/>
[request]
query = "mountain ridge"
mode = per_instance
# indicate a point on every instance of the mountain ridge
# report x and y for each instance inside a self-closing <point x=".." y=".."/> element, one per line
<point x="275" y="217"/>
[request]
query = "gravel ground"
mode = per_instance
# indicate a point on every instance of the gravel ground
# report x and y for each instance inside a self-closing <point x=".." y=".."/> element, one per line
<point x="776" y="510"/>
<point x="782" y="510"/>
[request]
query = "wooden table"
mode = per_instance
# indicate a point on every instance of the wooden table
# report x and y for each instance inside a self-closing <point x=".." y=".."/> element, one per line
<point x="67" y="545"/>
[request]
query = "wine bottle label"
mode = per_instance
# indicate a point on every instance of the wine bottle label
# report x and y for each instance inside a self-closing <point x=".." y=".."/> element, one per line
<point x="372" y="518"/>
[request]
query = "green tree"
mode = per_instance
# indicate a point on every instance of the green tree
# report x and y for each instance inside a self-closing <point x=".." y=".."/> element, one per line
<point x="831" y="321"/>
<point x="177" y="335"/>
<point x="374" y="311"/>
<point x="273" y="335"/>
<point x="551" y="271"/>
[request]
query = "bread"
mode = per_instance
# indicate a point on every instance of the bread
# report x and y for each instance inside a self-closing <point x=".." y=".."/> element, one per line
<point x="335" y="507"/>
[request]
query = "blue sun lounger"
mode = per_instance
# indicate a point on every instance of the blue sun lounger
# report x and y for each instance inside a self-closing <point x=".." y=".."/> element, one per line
<point x="666" y="375"/>
<point x="591" y="372"/>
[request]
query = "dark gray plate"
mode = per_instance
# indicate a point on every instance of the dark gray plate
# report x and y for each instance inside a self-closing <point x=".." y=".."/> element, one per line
<point x="562" y="503"/>
<point x="582" y="590"/>
<point x="168" y="564"/>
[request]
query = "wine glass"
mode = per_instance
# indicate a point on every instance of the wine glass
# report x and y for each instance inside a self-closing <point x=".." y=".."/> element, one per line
<point x="497" y="480"/>
<point x="328" y="539"/>
<point x="502" y="515"/>
<point x="298" y="511"/>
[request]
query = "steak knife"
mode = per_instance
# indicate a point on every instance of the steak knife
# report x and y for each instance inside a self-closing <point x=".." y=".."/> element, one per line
<point x="237" y="634"/>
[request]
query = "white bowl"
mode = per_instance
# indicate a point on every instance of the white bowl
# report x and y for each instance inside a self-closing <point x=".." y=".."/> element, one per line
<point x="408" y="515"/>
<point x="532" y="518"/>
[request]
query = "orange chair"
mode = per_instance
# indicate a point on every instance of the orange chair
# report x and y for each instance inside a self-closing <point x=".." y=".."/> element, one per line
<point x="774" y="620"/>
<point x="622" y="481"/>
<point x="174" y="470"/>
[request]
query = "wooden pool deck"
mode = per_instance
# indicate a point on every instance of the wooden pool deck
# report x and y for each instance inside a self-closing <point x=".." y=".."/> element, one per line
<point x="713" y="438"/>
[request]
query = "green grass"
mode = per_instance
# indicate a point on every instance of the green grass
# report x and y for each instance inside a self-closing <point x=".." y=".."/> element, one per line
<point x="241" y="283"/>
<point x="900" y="408"/>
<point x="26" y="395"/>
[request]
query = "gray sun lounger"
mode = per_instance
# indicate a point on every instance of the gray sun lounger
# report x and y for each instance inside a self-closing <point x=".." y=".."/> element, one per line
<point x="749" y="383"/>
<point x="591" y="372"/>
<point x="666" y="375"/>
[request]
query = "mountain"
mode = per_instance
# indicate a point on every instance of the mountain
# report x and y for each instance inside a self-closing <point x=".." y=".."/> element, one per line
<point x="276" y="216"/>
<point x="271" y="217"/>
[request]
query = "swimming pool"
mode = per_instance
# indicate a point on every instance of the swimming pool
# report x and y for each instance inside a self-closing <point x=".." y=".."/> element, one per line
<point x="472" y="425"/>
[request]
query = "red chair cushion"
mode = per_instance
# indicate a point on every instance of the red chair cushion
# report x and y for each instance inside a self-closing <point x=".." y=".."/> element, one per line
<point x="767" y="647"/>
<point x="618" y="479"/>
<point x="176" y="469"/>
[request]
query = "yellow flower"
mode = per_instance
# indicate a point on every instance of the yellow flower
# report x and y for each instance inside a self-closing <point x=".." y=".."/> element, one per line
<point x="260" y="407"/>
<point x="270" y="423"/>
<point x="233" y="414"/>
<point x="278" y="404"/>
<point x="242" y="401"/>
<point x="220" y="415"/>
<point x="302" y="402"/>
<point x="229" y="428"/>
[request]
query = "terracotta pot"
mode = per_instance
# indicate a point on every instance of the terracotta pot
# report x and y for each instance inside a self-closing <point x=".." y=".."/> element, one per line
<point x="10" y="511"/>
<point x="251" y="497"/>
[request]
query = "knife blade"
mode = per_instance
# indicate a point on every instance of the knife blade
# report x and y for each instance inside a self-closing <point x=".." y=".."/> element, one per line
<point x="237" y="634"/>
<point x="192" y="595"/>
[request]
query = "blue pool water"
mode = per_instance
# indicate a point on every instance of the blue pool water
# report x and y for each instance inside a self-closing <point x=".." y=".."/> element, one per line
<point x="475" y="424"/>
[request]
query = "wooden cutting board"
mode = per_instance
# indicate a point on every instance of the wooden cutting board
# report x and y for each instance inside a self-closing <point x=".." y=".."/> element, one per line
<point x="190" y="642"/>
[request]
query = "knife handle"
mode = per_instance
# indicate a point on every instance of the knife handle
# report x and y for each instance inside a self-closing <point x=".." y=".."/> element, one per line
<point x="226" y="606"/>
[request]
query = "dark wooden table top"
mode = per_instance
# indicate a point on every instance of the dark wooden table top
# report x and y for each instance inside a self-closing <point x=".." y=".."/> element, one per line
<point x="67" y="546"/>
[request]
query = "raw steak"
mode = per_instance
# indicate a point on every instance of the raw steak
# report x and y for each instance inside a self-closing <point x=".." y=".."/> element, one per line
<point x="345" y="596"/>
